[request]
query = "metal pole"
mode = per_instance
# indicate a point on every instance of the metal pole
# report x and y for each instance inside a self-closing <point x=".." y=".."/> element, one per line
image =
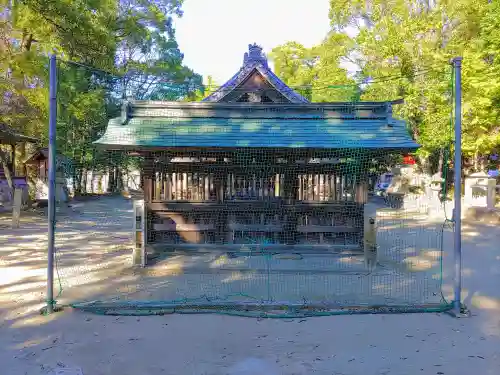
<point x="457" y="214"/>
<point x="52" y="182"/>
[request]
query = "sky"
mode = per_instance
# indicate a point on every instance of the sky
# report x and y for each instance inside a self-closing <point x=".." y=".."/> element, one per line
<point x="214" y="34"/>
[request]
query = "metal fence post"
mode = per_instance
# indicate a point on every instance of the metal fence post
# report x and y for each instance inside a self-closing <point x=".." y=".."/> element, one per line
<point x="52" y="182"/>
<point x="457" y="215"/>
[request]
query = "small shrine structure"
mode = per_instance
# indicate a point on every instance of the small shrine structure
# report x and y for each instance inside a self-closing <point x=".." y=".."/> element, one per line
<point x="256" y="166"/>
<point x="39" y="161"/>
<point x="9" y="141"/>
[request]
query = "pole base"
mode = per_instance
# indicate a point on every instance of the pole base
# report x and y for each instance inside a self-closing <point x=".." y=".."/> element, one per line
<point x="45" y="310"/>
<point x="463" y="313"/>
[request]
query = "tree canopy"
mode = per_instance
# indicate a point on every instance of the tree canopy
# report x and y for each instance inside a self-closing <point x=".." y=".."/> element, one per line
<point x="411" y="42"/>
<point x="122" y="48"/>
<point x="375" y="50"/>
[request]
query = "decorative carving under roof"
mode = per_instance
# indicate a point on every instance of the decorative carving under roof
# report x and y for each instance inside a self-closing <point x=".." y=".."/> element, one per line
<point x="255" y="61"/>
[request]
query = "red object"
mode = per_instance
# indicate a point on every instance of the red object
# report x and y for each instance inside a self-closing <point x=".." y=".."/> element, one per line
<point x="408" y="160"/>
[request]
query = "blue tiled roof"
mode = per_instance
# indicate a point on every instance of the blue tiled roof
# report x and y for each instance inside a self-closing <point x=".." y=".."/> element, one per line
<point x="325" y="133"/>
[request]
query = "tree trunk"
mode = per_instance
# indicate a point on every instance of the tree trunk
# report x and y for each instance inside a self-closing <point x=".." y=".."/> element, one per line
<point x="22" y="156"/>
<point x="426" y="165"/>
<point x="119" y="180"/>
<point x="77" y="179"/>
<point x="482" y="164"/>
<point x="92" y="177"/>
<point x="441" y="162"/>
<point x="84" y="181"/>
<point x="4" y="162"/>
<point x="476" y="162"/>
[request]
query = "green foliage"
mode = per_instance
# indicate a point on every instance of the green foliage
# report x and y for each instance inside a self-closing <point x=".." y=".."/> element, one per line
<point x="132" y="39"/>
<point x="316" y="72"/>
<point x="202" y="91"/>
<point x="412" y="40"/>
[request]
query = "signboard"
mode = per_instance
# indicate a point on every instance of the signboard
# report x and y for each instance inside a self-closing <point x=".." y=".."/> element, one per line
<point x="139" y="252"/>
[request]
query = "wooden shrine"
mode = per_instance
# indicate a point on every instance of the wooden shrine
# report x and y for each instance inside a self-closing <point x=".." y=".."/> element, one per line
<point x="38" y="161"/>
<point x="256" y="166"/>
<point x="9" y="141"/>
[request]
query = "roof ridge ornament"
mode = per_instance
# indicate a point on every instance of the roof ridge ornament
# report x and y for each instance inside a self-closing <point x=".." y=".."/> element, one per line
<point x="255" y="54"/>
<point x="255" y="59"/>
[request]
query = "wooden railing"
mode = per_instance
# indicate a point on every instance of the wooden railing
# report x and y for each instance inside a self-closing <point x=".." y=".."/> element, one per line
<point x="202" y="187"/>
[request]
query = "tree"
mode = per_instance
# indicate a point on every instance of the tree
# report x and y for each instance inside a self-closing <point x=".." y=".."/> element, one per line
<point x="316" y="72"/>
<point x="132" y="40"/>
<point x="402" y="49"/>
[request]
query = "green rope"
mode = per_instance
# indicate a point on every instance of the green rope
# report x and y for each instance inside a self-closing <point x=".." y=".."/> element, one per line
<point x="53" y="302"/>
<point x="166" y="308"/>
<point x="444" y="186"/>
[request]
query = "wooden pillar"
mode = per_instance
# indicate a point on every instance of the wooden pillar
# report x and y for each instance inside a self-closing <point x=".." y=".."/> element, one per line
<point x="148" y="172"/>
<point x="167" y="189"/>
<point x="361" y="192"/>
<point x="220" y="216"/>
<point x="148" y="178"/>
<point x="291" y="187"/>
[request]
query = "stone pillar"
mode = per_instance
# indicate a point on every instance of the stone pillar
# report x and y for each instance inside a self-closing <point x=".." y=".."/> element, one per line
<point x="469" y="181"/>
<point x="16" y="209"/>
<point x="491" y="193"/>
<point x="433" y="196"/>
<point x="475" y="185"/>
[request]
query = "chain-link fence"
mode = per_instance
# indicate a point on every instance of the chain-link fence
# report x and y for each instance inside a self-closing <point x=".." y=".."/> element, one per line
<point x="274" y="208"/>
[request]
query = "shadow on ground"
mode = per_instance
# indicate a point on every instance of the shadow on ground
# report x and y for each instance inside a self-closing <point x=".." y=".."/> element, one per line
<point x="93" y="242"/>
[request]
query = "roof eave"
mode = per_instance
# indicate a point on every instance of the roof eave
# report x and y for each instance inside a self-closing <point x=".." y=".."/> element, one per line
<point x="104" y="145"/>
<point x="16" y="138"/>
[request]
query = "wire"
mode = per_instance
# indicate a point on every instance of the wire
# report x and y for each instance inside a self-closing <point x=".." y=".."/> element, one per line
<point x="357" y="85"/>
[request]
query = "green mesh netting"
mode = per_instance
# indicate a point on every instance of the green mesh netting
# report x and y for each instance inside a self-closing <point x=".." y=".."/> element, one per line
<point x="254" y="210"/>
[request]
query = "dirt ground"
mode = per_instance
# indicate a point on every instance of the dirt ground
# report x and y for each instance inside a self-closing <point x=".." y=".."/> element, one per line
<point x="93" y="240"/>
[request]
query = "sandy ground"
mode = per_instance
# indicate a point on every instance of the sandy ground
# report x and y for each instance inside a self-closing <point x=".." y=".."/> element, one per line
<point x="94" y="244"/>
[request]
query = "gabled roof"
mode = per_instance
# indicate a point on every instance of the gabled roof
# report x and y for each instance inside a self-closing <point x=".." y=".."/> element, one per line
<point x="43" y="154"/>
<point x="255" y="60"/>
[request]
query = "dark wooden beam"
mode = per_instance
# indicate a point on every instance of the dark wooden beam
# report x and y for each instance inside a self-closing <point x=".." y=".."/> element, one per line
<point x="262" y="168"/>
<point x="247" y="205"/>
